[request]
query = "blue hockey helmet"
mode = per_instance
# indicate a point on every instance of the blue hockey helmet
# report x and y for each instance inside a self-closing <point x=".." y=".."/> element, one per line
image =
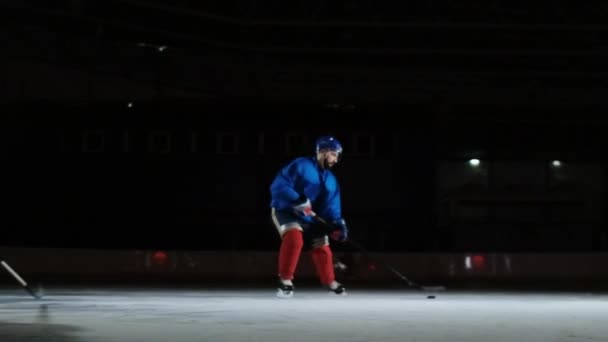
<point x="330" y="143"/>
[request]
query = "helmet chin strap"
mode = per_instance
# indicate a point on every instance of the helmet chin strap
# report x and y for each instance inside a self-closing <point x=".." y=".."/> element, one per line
<point x="325" y="164"/>
<point x="322" y="161"/>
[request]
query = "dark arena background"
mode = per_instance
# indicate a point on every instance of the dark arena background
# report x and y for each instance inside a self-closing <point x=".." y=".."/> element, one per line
<point x="139" y="139"/>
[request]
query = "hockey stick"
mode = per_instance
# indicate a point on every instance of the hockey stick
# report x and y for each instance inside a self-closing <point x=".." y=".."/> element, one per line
<point x="35" y="294"/>
<point x="367" y="255"/>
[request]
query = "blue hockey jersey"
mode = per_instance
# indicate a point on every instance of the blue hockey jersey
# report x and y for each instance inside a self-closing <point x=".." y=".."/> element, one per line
<point x="304" y="176"/>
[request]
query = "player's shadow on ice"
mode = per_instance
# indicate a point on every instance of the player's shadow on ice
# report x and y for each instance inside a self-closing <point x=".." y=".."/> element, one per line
<point x="41" y="329"/>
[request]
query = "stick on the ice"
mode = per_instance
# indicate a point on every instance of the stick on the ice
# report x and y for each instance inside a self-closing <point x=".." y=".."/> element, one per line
<point x="361" y="249"/>
<point x="23" y="283"/>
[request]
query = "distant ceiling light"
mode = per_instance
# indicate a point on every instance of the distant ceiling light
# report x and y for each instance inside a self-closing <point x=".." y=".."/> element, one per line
<point x="474" y="162"/>
<point x="159" y="48"/>
<point x="130" y="105"/>
<point x="556" y="163"/>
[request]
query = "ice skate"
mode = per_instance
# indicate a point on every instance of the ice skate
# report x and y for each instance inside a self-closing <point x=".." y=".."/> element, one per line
<point x="285" y="289"/>
<point x="337" y="288"/>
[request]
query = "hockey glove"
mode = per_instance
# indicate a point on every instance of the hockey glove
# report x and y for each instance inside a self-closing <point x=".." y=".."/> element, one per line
<point x="340" y="233"/>
<point x="304" y="208"/>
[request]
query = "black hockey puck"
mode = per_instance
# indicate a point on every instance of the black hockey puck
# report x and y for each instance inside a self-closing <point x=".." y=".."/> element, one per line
<point x="430" y="297"/>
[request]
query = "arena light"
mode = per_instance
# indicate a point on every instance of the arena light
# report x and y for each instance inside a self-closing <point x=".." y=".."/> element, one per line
<point x="474" y="162"/>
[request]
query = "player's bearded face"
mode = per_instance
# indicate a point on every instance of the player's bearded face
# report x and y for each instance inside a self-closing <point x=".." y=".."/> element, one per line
<point x="330" y="158"/>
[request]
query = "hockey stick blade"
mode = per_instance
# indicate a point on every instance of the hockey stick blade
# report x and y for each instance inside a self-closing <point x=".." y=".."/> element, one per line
<point x="361" y="249"/>
<point x="397" y="273"/>
<point x="24" y="284"/>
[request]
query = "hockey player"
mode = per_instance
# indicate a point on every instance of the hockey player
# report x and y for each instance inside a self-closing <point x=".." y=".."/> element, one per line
<point x="302" y="189"/>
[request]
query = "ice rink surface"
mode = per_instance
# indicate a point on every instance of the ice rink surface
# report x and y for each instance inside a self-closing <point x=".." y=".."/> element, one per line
<point x="253" y="314"/>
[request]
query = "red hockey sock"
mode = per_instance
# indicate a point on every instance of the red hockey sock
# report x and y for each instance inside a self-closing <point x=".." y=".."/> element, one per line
<point x="322" y="257"/>
<point x="289" y="253"/>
